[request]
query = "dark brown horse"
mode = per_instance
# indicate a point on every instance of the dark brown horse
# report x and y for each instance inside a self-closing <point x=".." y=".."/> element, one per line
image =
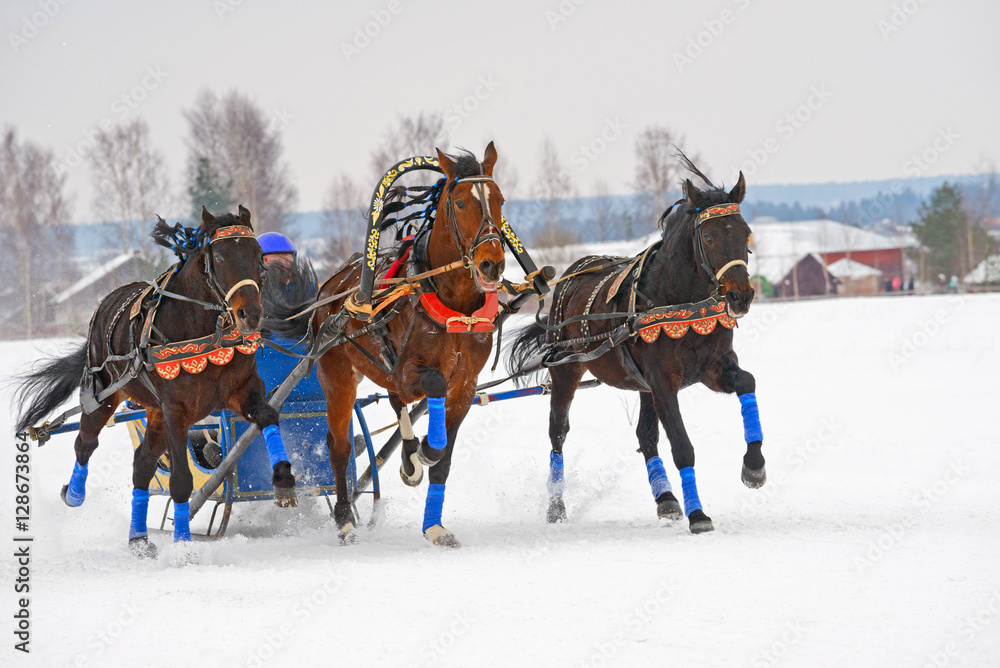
<point x="200" y="344"/>
<point x="439" y="342"/>
<point x="699" y="265"/>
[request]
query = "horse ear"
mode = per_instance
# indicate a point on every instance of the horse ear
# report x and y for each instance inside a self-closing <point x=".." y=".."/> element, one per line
<point x="739" y="191"/>
<point x="692" y="193"/>
<point x="490" y="159"/>
<point x="446" y="164"/>
<point x="245" y="216"/>
<point x="206" y="217"/>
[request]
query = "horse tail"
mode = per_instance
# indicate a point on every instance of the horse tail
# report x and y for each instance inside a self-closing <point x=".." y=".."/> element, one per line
<point x="43" y="390"/>
<point x="529" y="342"/>
<point x="287" y="291"/>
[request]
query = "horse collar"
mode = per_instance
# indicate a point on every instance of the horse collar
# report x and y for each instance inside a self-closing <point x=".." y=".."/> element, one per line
<point x="454" y="322"/>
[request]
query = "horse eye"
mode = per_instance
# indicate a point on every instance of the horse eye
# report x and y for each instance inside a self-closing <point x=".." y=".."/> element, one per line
<point x="218" y="258"/>
<point x="708" y="238"/>
<point x="459" y="204"/>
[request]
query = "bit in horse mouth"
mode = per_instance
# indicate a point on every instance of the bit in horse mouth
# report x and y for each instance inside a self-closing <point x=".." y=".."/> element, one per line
<point x="486" y="286"/>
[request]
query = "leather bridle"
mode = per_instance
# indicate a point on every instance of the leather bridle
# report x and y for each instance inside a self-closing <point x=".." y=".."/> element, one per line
<point x="224" y="234"/>
<point x="488" y="230"/>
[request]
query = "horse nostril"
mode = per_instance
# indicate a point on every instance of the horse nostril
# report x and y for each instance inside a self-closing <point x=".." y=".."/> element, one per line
<point x="488" y="268"/>
<point x="241" y="314"/>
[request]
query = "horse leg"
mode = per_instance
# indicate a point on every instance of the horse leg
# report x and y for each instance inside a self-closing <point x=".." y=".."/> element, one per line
<point x="648" y="433"/>
<point x="410" y="469"/>
<point x="730" y="378"/>
<point x="181" y="483"/>
<point x="339" y="385"/>
<point x="433" y="529"/>
<point x="435" y="387"/>
<point x="91" y="425"/>
<point x="564" y="381"/>
<point x="143" y="468"/>
<point x="249" y="401"/>
<point x="669" y="412"/>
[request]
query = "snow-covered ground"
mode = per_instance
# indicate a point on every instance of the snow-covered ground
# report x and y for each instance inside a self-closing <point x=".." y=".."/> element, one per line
<point x="876" y="541"/>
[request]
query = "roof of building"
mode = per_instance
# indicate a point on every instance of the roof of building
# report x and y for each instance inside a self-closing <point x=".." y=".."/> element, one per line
<point x="851" y="269"/>
<point x="94" y="276"/>
<point x="777" y="247"/>
<point x="987" y="271"/>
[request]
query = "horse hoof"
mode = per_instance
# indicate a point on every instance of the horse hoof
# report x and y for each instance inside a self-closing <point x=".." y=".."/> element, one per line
<point x="556" y="512"/>
<point x="348" y="536"/>
<point x="440" y="536"/>
<point x="429" y="456"/>
<point x="416" y="474"/>
<point x="141" y="548"/>
<point x="71" y="500"/>
<point x="668" y="507"/>
<point x="284" y="497"/>
<point x="753" y="478"/>
<point x="700" y="522"/>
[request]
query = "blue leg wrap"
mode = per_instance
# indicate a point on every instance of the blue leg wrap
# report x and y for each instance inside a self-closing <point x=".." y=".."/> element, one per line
<point x="435" y="502"/>
<point x="658" y="481"/>
<point x="182" y="522"/>
<point x="140" y="508"/>
<point x="690" y="487"/>
<point x="437" y="432"/>
<point x="751" y="419"/>
<point x="275" y="446"/>
<point x="77" y="490"/>
<point x="556" y="482"/>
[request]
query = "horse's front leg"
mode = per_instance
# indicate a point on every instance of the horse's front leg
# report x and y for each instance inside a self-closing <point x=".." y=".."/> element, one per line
<point x="456" y="411"/>
<point x="249" y="401"/>
<point x="728" y="377"/>
<point x="668" y="409"/>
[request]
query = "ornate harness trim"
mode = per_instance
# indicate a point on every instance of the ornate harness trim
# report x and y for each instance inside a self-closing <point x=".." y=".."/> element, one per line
<point x="676" y="323"/>
<point x="454" y="322"/>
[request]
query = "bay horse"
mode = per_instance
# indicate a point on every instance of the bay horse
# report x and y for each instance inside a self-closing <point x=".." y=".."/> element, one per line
<point x="434" y="344"/>
<point x="699" y="264"/>
<point x="198" y="327"/>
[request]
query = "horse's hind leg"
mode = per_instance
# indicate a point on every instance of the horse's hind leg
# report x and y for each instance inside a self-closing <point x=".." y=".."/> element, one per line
<point x="175" y="428"/>
<point x="91" y="425"/>
<point x="410" y="469"/>
<point x="669" y="412"/>
<point x="339" y="385"/>
<point x="648" y="433"/>
<point x="143" y="468"/>
<point x="565" y="379"/>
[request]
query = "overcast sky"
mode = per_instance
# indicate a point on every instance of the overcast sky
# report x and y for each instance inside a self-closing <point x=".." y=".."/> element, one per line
<point x="791" y="91"/>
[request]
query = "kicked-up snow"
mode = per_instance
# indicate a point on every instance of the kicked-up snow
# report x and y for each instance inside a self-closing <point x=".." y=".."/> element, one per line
<point x="875" y="542"/>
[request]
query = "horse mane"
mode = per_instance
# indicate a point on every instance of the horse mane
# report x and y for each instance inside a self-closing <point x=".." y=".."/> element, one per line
<point x="187" y="241"/>
<point x="716" y="194"/>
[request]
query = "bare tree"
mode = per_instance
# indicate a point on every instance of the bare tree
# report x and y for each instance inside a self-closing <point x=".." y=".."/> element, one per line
<point x="603" y="208"/>
<point x="553" y="186"/>
<point x="130" y="179"/>
<point x="244" y="149"/>
<point x="657" y="170"/>
<point x="410" y="136"/>
<point x="31" y="198"/>
<point x="344" y="219"/>
<point x="507" y="177"/>
<point x="981" y="205"/>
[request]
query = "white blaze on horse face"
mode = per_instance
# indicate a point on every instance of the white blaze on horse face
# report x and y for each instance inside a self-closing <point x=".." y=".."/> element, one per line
<point x="475" y="193"/>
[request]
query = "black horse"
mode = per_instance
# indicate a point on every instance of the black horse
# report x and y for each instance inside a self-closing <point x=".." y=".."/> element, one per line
<point x="197" y="328"/>
<point x="699" y="265"/>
